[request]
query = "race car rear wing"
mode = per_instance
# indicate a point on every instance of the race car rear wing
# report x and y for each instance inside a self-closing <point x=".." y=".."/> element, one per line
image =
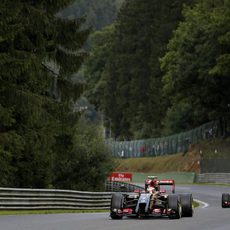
<point x="167" y="182"/>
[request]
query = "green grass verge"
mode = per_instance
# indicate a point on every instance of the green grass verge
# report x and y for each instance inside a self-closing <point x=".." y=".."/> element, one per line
<point x="34" y="212"/>
<point x="195" y="204"/>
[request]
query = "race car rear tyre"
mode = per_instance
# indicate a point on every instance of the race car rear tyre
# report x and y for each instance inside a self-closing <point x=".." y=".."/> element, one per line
<point x="225" y="198"/>
<point x="174" y="204"/>
<point x="186" y="201"/>
<point x="116" y="203"/>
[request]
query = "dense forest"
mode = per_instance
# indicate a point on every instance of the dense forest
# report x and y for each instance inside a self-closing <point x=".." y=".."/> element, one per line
<point x="44" y="141"/>
<point x="162" y="67"/>
<point x="151" y="68"/>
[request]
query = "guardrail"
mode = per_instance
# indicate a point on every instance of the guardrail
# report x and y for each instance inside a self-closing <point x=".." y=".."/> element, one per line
<point x="214" y="178"/>
<point x="29" y="199"/>
<point x="47" y="199"/>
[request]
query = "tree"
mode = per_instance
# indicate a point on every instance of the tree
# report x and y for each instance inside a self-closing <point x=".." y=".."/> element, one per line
<point x="37" y="50"/>
<point x="88" y="163"/>
<point x="95" y="64"/>
<point x="196" y="65"/>
<point x="130" y="70"/>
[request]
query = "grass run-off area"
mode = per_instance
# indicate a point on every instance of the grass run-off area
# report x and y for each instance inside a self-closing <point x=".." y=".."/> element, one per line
<point x="26" y="212"/>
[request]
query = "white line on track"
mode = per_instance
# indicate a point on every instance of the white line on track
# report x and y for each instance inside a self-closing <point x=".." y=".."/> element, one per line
<point x="204" y="204"/>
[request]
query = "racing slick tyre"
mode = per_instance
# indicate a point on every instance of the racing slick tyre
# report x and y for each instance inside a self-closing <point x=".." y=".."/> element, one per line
<point x="116" y="204"/>
<point x="174" y="204"/>
<point x="225" y="198"/>
<point x="186" y="201"/>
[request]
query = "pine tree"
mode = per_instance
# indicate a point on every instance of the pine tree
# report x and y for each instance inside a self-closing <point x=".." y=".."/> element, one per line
<point x="33" y="115"/>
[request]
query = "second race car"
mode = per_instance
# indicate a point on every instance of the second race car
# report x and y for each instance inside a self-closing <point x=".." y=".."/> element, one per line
<point x="225" y="201"/>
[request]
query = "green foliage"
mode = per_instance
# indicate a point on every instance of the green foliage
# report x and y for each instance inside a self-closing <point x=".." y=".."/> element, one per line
<point x="95" y="64"/>
<point x="182" y="116"/>
<point x="39" y="53"/>
<point x="125" y="69"/>
<point x="196" y="65"/>
<point x="89" y="162"/>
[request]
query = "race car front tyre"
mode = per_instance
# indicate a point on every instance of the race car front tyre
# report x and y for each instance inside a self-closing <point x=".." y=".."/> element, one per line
<point x="175" y="206"/>
<point x="116" y="204"/>
<point x="186" y="201"/>
<point x="225" y="198"/>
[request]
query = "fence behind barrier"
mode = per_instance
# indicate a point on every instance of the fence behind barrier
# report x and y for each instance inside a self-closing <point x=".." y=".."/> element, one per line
<point x="164" y="145"/>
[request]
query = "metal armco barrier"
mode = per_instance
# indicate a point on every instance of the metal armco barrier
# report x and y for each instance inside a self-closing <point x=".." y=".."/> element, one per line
<point x="223" y="178"/>
<point x="215" y="165"/>
<point x="35" y="199"/>
<point x="46" y="199"/>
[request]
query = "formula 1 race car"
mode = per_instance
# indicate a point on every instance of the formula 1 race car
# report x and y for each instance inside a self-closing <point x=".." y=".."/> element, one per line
<point x="152" y="201"/>
<point x="225" y="200"/>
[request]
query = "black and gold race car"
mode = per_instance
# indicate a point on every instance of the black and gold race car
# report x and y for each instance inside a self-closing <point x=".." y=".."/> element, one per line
<point x="152" y="202"/>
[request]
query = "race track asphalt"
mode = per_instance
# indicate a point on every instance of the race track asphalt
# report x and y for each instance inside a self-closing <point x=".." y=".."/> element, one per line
<point x="209" y="216"/>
